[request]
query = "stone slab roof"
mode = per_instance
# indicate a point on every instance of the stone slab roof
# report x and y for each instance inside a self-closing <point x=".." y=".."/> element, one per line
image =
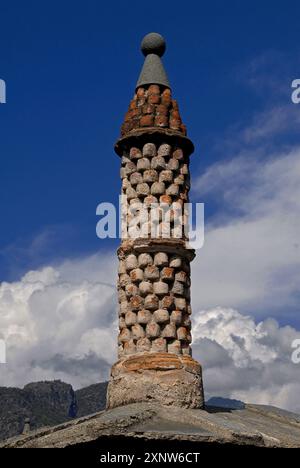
<point x="255" y="425"/>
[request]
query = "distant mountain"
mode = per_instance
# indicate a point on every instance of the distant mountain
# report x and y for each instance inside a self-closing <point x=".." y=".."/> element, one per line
<point x="228" y="403"/>
<point x="46" y="404"/>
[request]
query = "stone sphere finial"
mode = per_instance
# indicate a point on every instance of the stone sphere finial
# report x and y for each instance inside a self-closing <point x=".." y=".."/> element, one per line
<point x="153" y="43"/>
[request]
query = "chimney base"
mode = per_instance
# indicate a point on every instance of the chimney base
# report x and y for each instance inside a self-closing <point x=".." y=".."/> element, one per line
<point x="165" y="378"/>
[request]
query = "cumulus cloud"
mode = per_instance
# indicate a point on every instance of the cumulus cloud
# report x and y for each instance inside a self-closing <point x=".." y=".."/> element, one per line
<point x="245" y="360"/>
<point x="251" y="256"/>
<point x="60" y="322"/>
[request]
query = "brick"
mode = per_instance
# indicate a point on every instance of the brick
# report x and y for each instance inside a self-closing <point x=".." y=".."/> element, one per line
<point x="122" y="323"/>
<point x="166" y="176"/>
<point x="161" y="316"/>
<point x="149" y="200"/>
<point x="143" y="345"/>
<point x="186" y="320"/>
<point x="160" y="288"/>
<point x="182" y="333"/>
<point x="135" y="153"/>
<point x="137" y="275"/>
<point x="145" y="288"/>
<point x="152" y="330"/>
<point x="186" y="349"/>
<point x="164" y="150"/>
<point x="141" y="102"/>
<point x="173" y="164"/>
<point x="154" y="99"/>
<point x="147" y="120"/>
<point x="161" y="259"/>
<point x="154" y="89"/>
<point x="130" y="193"/>
<point x="167" y="274"/>
<point x="178" y="154"/>
<point x="179" y="180"/>
<point x="178" y="288"/>
<point x="150" y="175"/>
<point x="176" y="317"/>
<point x="131" y="289"/>
<point x="165" y="200"/>
<point x="184" y="169"/>
<point x="174" y="347"/>
<point x="159" y="345"/>
<point x="140" y="92"/>
<point x="181" y="276"/>
<point x="121" y="295"/>
<point x="137" y="332"/>
<point x="129" y="347"/>
<point x="136" y="178"/>
<point x="136" y="302"/>
<point x="130" y="318"/>
<point x="123" y="307"/>
<point x="124" y="335"/>
<point x="169" y="331"/>
<point x="161" y="121"/>
<point x="172" y="190"/>
<point x="129" y="168"/>
<point x="149" y="150"/>
<point x="151" y="302"/>
<point x="167" y="302"/>
<point x="180" y="303"/>
<point x="131" y="262"/>
<point x="158" y="163"/>
<point x="148" y="109"/>
<point x="151" y="272"/>
<point x="158" y="188"/>
<point x="143" y="164"/>
<point x="142" y="189"/>
<point x="124" y="279"/>
<point x="162" y="109"/>
<point x="144" y="316"/>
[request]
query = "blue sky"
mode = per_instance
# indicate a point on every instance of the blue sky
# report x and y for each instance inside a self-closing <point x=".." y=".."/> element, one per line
<point x="71" y="69"/>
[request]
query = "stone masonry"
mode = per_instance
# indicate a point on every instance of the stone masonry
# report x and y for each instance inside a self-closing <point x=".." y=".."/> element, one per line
<point x="154" y="344"/>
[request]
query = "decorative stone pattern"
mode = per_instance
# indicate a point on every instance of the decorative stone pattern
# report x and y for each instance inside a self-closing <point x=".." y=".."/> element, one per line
<point x="153" y="106"/>
<point x="158" y="174"/>
<point x="154" y="303"/>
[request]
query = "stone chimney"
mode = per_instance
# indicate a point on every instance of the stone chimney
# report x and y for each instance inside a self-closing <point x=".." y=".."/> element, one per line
<point x="155" y="359"/>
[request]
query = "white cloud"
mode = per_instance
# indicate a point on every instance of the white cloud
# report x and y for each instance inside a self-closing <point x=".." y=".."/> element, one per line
<point x="60" y="323"/>
<point x="251" y="256"/>
<point x="245" y="360"/>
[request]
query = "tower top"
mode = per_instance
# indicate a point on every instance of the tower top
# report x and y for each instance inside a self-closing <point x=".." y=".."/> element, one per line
<point x="153" y="47"/>
<point x="153" y="43"/>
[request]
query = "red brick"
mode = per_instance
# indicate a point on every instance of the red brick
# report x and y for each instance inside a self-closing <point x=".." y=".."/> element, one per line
<point x="154" y="99"/>
<point x="154" y="89"/>
<point x="147" y="121"/>
<point x="141" y="101"/>
<point x="174" y="104"/>
<point x="140" y="92"/>
<point x="132" y="104"/>
<point x="161" y="109"/>
<point x="148" y="109"/>
<point x="166" y="101"/>
<point x="175" y="124"/>
<point x="161" y="121"/>
<point x="176" y="115"/>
